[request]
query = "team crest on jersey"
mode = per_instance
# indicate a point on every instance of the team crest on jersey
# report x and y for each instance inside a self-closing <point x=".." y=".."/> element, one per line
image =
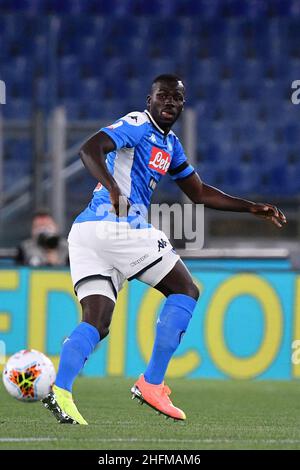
<point x="160" y="160"/>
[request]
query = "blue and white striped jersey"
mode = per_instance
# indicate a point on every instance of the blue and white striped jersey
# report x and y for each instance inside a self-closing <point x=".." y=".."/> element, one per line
<point x="142" y="155"/>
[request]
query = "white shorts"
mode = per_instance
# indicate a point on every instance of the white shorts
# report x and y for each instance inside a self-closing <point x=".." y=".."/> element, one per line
<point x="104" y="254"/>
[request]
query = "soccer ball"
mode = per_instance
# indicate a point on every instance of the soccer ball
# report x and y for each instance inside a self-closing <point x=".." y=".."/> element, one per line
<point x="28" y="375"/>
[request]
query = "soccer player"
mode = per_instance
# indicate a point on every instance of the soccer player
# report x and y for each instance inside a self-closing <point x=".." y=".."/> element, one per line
<point x="111" y="241"/>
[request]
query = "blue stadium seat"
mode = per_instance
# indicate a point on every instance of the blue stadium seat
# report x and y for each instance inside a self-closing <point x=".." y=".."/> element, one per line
<point x="295" y="9"/>
<point x="250" y="70"/>
<point x="16" y="150"/>
<point x="292" y="134"/>
<point x="218" y="132"/>
<point x="91" y="51"/>
<point x="201" y="8"/>
<point x="273" y="89"/>
<point x="238" y="60"/>
<point x="206" y="110"/>
<point x="108" y="109"/>
<point x="91" y="109"/>
<point x="137" y="90"/>
<point x="279" y="8"/>
<point x="293" y="70"/>
<point x="226" y="92"/>
<point x="68" y="68"/>
<point x="292" y="185"/>
<point x="30" y="6"/>
<point x="41" y="92"/>
<point x="18" y="74"/>
<point x="18" y="109"/>
<point x="243" y="112"/>
<point x="240" y="179"/>
<point x="17" y="160"/>
<point x="211" y="154"/>
<point x="159" y="66"/>
<point x="69" y="89"/>
<point x="39" y="53"/>
<point x="276" y="181"/>
<point x="206" y="71"/>
<point x="208" y="173"/>
<point x="268" y="155"/>
<point x="72" y="108"/>
<point x="222" y="153"/>
<point x="114" y="8"/>
<point x="275" y="68"/>
<point x="115" y="69"/>
<point x="91" y="89"/>
<point x="66" y="7"/>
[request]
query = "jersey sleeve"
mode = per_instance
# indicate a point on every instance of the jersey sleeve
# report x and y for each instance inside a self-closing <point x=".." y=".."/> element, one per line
<point x="128" y="130"/>
<point x="179" y="168"/>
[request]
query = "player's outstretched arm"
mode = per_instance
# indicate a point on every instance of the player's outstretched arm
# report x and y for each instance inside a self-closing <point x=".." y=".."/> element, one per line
<point x="92" y="154"/>
<point x="201" y="193"/>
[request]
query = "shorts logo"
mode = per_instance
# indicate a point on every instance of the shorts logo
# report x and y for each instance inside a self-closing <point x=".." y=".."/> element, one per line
<point x="134" y="263"/>
<point x="159" y="161"/>
<point x="161" y="244"/>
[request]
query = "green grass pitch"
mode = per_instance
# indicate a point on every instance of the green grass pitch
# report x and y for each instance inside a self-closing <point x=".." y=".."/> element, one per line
<point x="220" y="415"/>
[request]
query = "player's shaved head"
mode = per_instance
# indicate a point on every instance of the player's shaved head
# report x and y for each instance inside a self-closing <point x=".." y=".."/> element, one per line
<point x="166" y="100"/>
<point x="169" y="79"/>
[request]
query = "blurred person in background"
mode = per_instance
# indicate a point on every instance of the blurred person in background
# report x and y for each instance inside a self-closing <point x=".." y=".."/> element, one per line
<point x="46" y="247"/>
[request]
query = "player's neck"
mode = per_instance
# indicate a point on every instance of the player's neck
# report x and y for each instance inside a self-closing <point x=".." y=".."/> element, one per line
<point x="164" y="130"/>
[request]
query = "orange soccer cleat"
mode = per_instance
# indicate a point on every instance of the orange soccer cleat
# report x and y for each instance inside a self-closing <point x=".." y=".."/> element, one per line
<point x="156" y="396"/>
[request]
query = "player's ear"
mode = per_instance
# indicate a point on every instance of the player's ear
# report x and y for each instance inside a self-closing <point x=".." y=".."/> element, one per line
<point x="148" y="100"/>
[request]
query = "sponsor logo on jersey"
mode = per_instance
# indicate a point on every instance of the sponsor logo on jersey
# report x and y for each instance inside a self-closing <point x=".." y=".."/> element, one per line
<point x="153" y="138"/>
<point x="159" y="161"/>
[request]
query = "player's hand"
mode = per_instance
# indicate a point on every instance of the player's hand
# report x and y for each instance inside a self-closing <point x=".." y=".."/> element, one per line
<point x="120" y="202"/>
<point x="267" y="211"/>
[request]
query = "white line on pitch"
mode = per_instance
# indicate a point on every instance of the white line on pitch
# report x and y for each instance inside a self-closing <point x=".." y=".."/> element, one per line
<point x="183" y="441"/>
<point x="27" y="439"/>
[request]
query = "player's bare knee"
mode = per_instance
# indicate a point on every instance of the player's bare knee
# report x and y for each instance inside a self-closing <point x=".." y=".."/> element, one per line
<point x="103" y="327"/>
<point x="103" y="333"/>
<point x="193" y="291"/>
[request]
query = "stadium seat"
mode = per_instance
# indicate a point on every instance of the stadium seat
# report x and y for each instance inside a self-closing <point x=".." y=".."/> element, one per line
<point x="206" y="71"/>
<point x="91" y="89"/>
<point x="68" y="68"/>
<point x="204" y="8"/>
<point x="40" y="92"/>
<point x="18" y="109"/>
<point x="98" y="58"/>
<point x="72" y="108"/>
<point x="111" y="110"/>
